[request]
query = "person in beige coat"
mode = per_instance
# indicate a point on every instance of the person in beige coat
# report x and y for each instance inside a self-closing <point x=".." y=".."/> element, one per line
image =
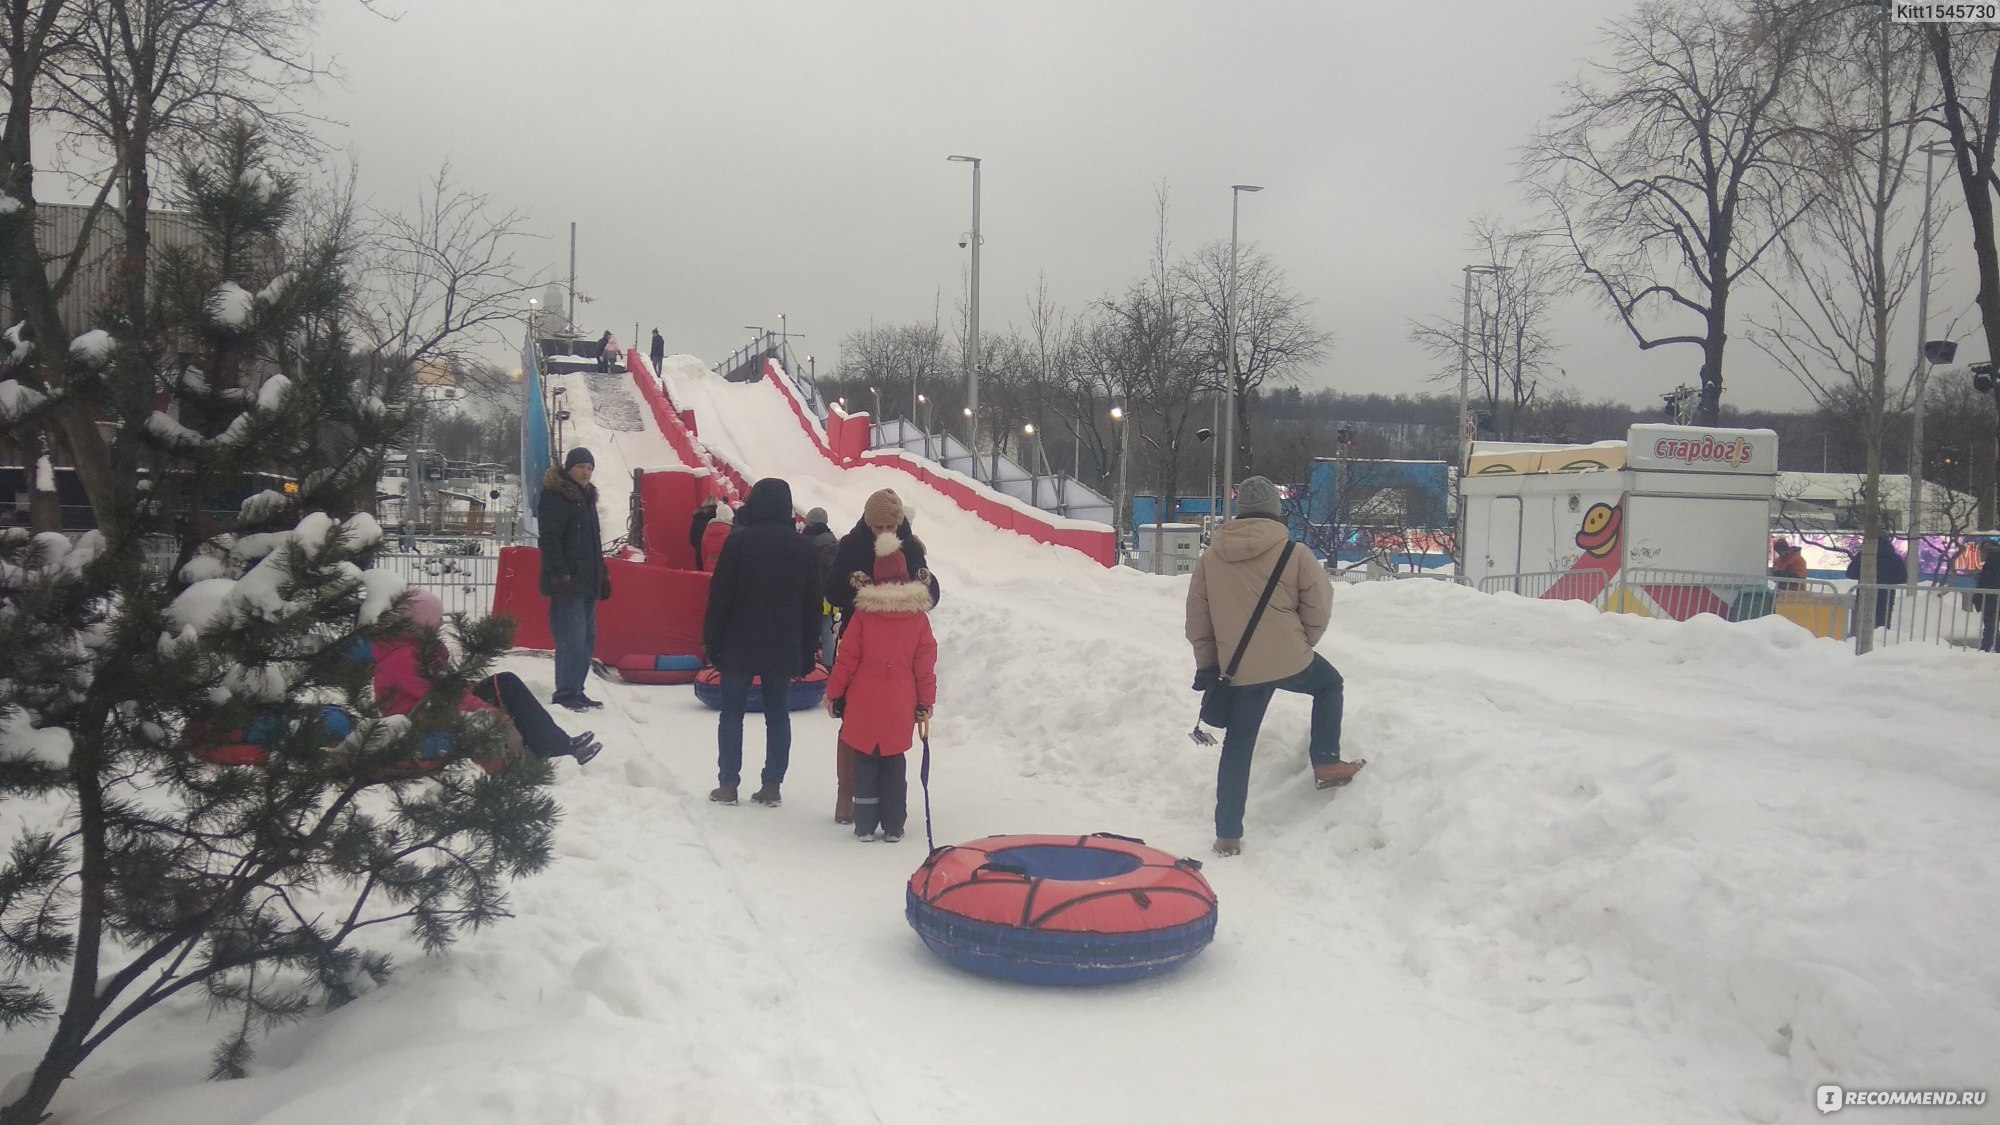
<point x="1228" y="579"/>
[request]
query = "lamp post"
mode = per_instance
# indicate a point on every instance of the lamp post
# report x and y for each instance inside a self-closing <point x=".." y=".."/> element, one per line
<point x="972" y="344"/>
<point x="924" y="424"/>
<point x="1913" y="524"/>
<point x="1229" y="337"/>
<point x="1034" y="473"/>
<point x="1205" y="436"/>
<point x="1465" y="402"/>
<point x="1124" y="458"/>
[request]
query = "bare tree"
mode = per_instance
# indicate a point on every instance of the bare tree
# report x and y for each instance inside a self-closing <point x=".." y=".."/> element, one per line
<point x="442" y="278"/>
<point x="1276" y="339"/>
<point x="1676" y="169"/>
<point x="1966" y="61"/>
<point x="1849" y="266"/>
<point x="1507" y="350"/>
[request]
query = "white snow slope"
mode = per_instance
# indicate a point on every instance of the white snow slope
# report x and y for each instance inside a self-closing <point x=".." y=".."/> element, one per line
<point x="1601" y="869"/>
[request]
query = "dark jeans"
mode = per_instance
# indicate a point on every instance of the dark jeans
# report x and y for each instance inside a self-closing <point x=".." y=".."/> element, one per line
<point x="777" y="726"/>
<point x="538" y="730"/>
<point x="1246" y="715"/>
<point x="881" y="793"/>
<point x="1989" y="611"/>
<point x="573" y="621"/>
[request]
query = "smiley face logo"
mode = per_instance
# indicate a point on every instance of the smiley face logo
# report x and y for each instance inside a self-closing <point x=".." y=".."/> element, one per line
<point x="1598" y="536"/>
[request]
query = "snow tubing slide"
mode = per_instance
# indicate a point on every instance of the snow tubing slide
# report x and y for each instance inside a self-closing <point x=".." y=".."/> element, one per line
<point x="1061" y="909"/>
<point x="806" y="691"/>
<point x="639" y="669"/>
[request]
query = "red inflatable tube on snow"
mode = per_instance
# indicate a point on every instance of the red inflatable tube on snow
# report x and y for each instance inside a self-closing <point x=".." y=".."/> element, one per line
<point x="639" y="669"/>
<point x="1061" y="909"/>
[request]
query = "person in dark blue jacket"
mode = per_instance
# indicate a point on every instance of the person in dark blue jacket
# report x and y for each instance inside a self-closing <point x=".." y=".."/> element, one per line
<point x="762" y="623"/>
<point x="574" y="575"/>
<point x="1890" y="572"/>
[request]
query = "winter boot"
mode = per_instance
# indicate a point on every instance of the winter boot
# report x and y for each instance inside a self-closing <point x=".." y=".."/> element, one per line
<point x="892" y="837"/>
<point x="1338" y="774"/>
<point x="1227" y="846"/>
<point x="767" y="796"/>
<point x="723" y="794"/>
<point x="583" y="748"/>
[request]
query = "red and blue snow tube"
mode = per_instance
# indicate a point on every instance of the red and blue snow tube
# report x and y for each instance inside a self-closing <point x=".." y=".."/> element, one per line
<point x="806" y="691"/>
<point x="638" y="668"/>
<point x="1061" y="909"/>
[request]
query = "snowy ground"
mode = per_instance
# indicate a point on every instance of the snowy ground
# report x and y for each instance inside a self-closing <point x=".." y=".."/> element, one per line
<point x="1602" y="869"/>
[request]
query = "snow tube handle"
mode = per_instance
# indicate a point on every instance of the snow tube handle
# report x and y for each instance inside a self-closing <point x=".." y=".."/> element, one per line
<point x="1003" y="869"/>
<point x="1116" y="836"/>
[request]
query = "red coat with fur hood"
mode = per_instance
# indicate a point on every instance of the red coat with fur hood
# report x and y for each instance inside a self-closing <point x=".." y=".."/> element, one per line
<point x="887" y="667"/>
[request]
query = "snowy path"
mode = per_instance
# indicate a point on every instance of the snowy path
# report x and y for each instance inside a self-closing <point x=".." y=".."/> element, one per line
<point x="1600" y="870"/>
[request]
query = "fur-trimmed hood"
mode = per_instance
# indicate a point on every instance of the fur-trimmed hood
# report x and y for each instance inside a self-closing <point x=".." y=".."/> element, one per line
<point x="557" y="481"/>
<point x="893" y="597"/>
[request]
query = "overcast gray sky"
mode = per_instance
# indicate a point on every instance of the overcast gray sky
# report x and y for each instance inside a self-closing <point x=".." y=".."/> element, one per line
<point x="728" y="160"/>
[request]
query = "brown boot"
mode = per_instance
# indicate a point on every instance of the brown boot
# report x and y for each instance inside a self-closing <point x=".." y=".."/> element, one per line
<point x="766" y="796"/>
<point x="1228" y="846"/>
<point x="1338" y="774"/>
<point x="723" y="794"/>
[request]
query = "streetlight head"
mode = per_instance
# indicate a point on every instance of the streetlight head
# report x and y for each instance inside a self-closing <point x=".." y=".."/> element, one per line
<point x="968" y="412"/>
<point x="966" y="159"/>
<point x="1029" y="429"/>
<point x="1246" y="187"/>
<point x="1203" y="434"/>
<point x="921" y="398"/>
<point x="1940" y="351"/>
<point x="1487" y="269"/>
<point x="1117" y="414"/>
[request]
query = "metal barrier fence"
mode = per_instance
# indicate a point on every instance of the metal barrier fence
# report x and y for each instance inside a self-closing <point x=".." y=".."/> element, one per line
<point x="1941" y="615"/>
<point x="464" y="583"/>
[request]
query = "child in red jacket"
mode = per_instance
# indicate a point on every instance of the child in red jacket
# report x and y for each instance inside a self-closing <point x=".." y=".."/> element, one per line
<point x="884" y="683"/>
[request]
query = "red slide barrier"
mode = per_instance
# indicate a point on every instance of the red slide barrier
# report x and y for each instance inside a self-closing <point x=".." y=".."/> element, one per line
<point x="1099" y="546"/>
<point x="654" y="610"/>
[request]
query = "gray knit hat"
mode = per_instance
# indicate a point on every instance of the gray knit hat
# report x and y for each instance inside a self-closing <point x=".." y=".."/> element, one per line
<point x="1257" y="496"/>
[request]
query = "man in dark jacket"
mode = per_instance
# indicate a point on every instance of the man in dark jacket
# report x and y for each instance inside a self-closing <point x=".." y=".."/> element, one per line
<point x="854" y="557"/>
<point x="1989" y="595"/>
<point x="659" y="350"/>
<point x="762" y="623"/>
<point x="1890" y="572"/>
<point x="574" y="575"/>
<point x="825" y="546"/>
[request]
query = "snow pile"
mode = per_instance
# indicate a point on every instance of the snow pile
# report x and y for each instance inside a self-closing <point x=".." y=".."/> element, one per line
<point x="18" y="346"/>
<point x="274" y="292"/>
<point x="22" y="742"/>
<point x="16" y="400"/>
<point x="262" y="506"/>
<point x="231" y="305"/>
<point x="93" y="348"/>
<point x="45" y="474"/>
<point x="8" y="204"/>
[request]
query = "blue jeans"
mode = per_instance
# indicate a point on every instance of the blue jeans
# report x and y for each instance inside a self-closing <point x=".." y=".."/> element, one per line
<point x="574" y="624"/>
<point x="777" y="726"/>
<point x="1246" y="715"/>
<point x="829" y="640"/>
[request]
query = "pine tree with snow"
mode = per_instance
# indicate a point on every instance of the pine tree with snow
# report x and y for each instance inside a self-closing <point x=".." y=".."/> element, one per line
<point x="137" y="870"/>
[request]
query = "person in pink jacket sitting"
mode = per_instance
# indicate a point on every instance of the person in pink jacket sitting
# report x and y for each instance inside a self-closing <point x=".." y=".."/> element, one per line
<point x="884" y="683"/>
<point x="400" y="684"/>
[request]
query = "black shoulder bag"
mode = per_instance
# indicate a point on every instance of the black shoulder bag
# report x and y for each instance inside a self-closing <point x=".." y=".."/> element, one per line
<point x="1215" y="702"/>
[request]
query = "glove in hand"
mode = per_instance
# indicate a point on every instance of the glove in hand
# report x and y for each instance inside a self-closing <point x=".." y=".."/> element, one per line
<point x="1205" y="678"/>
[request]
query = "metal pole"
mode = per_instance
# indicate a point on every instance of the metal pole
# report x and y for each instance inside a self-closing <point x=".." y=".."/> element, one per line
<point x="1464" y="373"/>
<point x="572" y="277"/>
<point x="1214" y="454"/>
<point x="1914" y="524"/>
<point x="1227" y="435"/>
<point x="1118" y="517"/>
<point x="972" y="344"/>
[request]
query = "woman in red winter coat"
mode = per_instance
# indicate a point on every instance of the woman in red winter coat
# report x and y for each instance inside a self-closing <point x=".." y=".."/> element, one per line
<point x="884" y="683"/>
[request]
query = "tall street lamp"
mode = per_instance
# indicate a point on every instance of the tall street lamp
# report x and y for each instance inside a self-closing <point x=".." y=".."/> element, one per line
<point x="1229" y="336"/>
<point x="1912" y="524"/>
<point x="1464" y="401"/>
<point x="972" y="345"/>
<point x="1124" y="458"/>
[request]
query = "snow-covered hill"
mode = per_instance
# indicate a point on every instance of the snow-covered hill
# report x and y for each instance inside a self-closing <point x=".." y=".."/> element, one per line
<point x="1601" y="869"/>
